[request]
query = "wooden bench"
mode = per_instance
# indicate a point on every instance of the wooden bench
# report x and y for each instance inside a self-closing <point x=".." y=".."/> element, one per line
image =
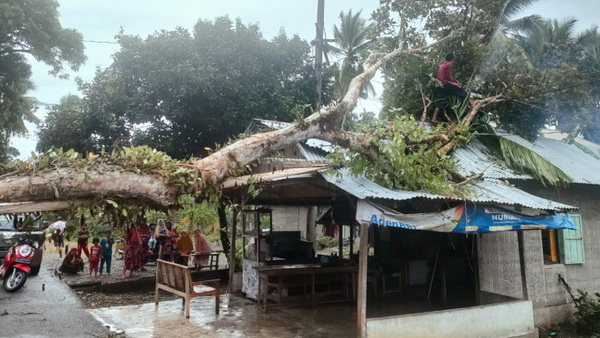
<point x="177" y="279"/>
<point x="212" y="259"/>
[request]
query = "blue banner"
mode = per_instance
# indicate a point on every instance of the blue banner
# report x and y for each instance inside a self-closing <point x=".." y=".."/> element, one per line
<point x="481" y="219"/>
<point x="470" y="218"/>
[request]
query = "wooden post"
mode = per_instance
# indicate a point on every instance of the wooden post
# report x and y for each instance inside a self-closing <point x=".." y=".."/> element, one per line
<point x="232" y="249"/>
<point x="361" y="310"/>
<point x="341" y="240"/>
<point x="522" y="263"/>
<point x="476" y="269"/>
<point x="351" y="240"/>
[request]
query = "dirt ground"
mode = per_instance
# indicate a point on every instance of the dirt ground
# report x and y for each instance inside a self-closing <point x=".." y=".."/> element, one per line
<point x="96" y="299"/>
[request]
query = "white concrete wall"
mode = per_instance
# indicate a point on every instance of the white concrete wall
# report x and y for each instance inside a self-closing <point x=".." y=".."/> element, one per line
<point x="498" y="320"/>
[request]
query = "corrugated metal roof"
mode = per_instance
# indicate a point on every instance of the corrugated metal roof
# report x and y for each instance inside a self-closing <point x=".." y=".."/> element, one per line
<point x="559" y="136"/>
<point x="579" y="166"/>
<point x="320" y="144"/>
<point x="273" y="124"/>
<point x="487" y="191"/>
<point x="313" y="154"/>
<point x="476" y="158"/>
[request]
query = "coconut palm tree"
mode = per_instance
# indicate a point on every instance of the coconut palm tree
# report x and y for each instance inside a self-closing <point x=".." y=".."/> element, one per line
<point x="351" y="43"/>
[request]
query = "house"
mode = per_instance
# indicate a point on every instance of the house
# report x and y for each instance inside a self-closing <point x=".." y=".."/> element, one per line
<point x="551" y="255"/>
<point x="476" y="276"/>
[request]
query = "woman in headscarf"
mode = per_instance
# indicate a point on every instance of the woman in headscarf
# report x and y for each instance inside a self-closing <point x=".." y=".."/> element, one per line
<point x="183" y="246"/>
<point x="203" y="248"/>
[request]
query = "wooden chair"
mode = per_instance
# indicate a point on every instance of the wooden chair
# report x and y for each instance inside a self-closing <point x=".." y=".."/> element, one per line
<point x="177" y="279"/>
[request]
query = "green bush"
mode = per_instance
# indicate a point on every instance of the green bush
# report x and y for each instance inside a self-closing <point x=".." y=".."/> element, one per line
<point x="588" y="313"/>
<point x="324" y="241"/>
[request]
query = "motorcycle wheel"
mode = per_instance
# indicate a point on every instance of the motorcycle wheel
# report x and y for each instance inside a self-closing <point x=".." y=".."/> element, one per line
<point x="15" y="280"/>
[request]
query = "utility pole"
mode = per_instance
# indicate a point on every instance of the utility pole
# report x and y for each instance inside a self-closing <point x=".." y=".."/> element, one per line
<point x="318" y="42"/>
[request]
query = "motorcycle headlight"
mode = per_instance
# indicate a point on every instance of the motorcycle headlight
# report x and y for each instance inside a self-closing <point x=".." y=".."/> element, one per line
<point x="25" y="250"/>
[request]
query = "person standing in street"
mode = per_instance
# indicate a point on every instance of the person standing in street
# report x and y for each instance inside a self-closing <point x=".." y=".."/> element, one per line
<point x="106" y="243"/>
<point x="58" y="235"/>
<point x="82" y="241"/>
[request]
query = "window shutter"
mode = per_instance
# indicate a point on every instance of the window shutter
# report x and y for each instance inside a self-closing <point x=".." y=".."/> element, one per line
<point x="571" y="242"/>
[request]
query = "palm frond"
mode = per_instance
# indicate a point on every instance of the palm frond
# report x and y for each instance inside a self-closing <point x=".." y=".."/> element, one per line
<point x="513" y="7"/>
<point x="526" y="24"/>
<point x="524" y="159"/>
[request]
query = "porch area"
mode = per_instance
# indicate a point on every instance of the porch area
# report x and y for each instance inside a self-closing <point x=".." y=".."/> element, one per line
<point x="394" y="316"/>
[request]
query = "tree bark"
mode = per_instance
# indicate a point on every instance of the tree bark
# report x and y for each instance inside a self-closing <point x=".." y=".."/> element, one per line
<point x="72" y="184"/>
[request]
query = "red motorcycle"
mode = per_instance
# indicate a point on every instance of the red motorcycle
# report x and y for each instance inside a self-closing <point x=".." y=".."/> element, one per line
<point x="15" y="266"/>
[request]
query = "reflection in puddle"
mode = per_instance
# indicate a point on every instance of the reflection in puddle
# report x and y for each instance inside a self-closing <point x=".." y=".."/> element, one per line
<point x="238" y="317"/>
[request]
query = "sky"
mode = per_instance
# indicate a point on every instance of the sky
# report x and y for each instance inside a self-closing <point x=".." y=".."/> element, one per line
<point x="100" y="21"/>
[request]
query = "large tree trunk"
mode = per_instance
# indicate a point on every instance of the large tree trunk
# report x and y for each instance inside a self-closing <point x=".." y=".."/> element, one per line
<point x="72" y="184"/>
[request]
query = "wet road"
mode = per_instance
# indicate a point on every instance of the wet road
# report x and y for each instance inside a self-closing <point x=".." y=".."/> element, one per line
<point x="49" y="311"/>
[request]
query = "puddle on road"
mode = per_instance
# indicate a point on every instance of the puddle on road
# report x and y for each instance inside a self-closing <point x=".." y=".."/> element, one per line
<point x="238" y="317"/>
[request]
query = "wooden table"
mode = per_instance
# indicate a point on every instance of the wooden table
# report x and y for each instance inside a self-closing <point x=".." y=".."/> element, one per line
<point x="272" y="277"/>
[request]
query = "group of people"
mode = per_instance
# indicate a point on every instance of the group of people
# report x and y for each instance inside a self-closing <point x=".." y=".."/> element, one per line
<point x="98" y="255"/>
<point x="143" y="242"/>
<point x="147" y="242"/>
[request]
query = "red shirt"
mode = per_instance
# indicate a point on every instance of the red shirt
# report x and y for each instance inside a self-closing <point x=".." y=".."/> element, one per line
<point x="95" y="252"/>
<point x="445" y="74"/>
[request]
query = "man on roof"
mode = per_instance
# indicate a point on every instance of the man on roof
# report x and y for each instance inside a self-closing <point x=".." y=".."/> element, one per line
<point x="450" y="86"/>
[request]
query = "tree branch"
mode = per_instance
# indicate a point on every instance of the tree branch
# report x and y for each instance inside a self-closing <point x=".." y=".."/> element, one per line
<point x="476" y="106"/>
<point x="469" y="180"/>
<point x="219" y="165"/>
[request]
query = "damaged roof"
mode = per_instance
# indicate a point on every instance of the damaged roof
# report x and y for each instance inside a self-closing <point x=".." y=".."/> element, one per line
<point x="576" y="163"/>
<point x="473" y="159"/>
<point x="487" y="191"/>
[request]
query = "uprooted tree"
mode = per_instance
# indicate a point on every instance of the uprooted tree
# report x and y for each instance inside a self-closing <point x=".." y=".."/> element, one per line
<point x="152" y="179"/>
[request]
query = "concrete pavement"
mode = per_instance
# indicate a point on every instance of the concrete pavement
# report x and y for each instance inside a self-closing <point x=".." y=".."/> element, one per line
<point x="46" y="307"/>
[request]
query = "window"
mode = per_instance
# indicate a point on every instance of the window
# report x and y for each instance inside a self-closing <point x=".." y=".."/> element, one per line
<point x="564" y="246"/>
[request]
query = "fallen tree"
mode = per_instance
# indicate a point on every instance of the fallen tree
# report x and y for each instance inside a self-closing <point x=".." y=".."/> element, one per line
<point x="126" y="176"/>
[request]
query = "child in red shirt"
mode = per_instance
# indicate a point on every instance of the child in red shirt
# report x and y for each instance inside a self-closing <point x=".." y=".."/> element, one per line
<point x="95" y="253"/>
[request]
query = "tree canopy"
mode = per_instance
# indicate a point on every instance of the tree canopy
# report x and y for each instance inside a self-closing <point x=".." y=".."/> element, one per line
<point x="545" y="72"/>
<point x="180" y="91"/>
<point x="30" y="27"/>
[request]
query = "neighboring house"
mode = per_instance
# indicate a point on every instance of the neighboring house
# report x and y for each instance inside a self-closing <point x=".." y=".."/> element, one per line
<point x="571" y="255"/>
<point x="491" y="286"/>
